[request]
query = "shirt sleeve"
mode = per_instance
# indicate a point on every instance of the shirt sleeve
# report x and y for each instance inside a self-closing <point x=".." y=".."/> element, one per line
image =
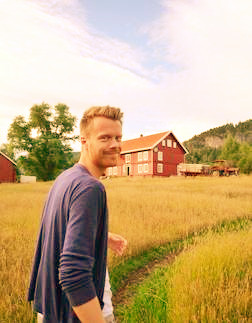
<point x="78" y="256"/>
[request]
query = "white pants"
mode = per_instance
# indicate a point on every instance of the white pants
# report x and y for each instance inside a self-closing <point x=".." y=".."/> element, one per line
<point x="107" y="300"/>
<point x="107" y="297"/>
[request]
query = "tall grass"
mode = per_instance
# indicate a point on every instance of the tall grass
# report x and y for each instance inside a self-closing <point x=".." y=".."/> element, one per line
<point x="210" y="282"/>
<point x="213" y="281"/>
<point x="153" y="211"/>
<point x="147" y="211"/>
<point x="20" y="209"/>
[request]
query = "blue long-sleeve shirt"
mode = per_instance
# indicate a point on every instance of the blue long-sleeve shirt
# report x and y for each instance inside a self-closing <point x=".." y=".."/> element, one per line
<point x="70" y="260"/>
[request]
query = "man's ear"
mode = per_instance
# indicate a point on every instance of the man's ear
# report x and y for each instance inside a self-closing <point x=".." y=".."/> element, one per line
<point x="83" y="140"/>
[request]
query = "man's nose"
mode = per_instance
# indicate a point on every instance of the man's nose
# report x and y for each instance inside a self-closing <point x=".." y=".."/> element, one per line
<point x="115" y="143"/>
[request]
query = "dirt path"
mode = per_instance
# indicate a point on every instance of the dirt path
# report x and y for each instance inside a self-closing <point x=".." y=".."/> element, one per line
<point x="125" y="292"/>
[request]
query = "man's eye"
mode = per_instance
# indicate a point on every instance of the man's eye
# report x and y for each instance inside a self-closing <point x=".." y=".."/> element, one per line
<point x="105" y="138"/>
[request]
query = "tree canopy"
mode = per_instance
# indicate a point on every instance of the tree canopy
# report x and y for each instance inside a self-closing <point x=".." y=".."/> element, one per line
<point x="238" y="154"/>
<point x="44" y="140"/>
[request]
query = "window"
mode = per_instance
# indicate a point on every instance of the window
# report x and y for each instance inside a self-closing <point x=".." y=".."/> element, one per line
<point x="127" y="158"/>
<point x="109" y="171"/>
<point x="163" y="143"/>
<point x="160" y="168"/>
<point x="160" y="155"/>
<point x="174" y="144"/>
<point x="145" y="155"/>
<point x="140" y="156"/>
<point x="115" y="170"/>
<point x="169" y="143"/>
<point x="140" y="168"/>
<point x="145" y="168"/>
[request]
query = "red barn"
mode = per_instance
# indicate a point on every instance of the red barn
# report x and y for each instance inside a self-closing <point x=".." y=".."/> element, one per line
<point x="154" y="155"/>
<point x="7" y="169"/>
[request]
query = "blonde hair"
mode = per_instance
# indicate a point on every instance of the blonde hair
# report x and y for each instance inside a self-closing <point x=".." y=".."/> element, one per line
<point x="105" y="111"/>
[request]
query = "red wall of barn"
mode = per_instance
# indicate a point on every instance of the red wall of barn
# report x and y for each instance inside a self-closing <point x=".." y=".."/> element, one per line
<point x="7" y="170"/>
<point x="134" y="164"/>
<point x="171" y="158"/>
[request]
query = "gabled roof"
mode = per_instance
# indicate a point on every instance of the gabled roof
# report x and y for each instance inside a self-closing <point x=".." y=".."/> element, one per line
<point x="1" y="153"/>
<point x="146" y="142"/>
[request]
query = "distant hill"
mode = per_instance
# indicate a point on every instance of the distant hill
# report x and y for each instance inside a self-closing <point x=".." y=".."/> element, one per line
<point x="207" y="146"/>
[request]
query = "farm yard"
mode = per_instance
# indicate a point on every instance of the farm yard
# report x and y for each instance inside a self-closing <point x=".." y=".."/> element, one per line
<point x="202" y="226"/>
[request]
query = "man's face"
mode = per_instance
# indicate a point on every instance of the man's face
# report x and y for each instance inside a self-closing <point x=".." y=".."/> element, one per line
<point x="103" y="144"/>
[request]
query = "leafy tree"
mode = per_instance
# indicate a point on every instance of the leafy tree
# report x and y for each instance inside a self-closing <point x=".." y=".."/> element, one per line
<point x="231" y="151"/>
<point x="44" y="140"/>
<point x="245" y="162"/>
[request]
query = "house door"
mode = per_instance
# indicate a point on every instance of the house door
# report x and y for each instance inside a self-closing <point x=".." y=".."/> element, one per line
<point x="127" y="170"/>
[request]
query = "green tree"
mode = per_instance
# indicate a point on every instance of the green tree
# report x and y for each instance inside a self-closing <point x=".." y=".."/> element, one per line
<point x="245" y="162"/>
<point x="231" y="151"/>
<point x="44" y="140"/>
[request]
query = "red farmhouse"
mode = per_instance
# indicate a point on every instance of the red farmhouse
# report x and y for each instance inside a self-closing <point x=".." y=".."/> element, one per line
<point x="7" y="169"/>
<point x="157" y="155"/>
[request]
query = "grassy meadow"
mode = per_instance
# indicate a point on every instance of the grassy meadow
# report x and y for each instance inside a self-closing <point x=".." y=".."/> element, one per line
<point x="209" y="282"/>
<point x="146" y="211"/>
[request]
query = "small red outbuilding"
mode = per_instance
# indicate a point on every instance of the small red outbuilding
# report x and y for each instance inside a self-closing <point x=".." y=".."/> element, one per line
<point x="7" y="169"/>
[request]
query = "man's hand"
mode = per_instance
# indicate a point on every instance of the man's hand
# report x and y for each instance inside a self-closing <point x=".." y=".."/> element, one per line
<point x="117" y="243"/>
<point x="89" y="312"/>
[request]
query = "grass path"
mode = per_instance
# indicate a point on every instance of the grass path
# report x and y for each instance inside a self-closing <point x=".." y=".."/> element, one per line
<point x="126" y="290"/>
<point x="134" y="271"/>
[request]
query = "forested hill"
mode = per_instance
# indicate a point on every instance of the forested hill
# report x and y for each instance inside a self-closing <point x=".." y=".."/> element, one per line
<point x="207" y="146"/>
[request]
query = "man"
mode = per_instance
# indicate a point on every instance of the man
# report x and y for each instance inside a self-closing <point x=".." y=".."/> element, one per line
<point x="68" y="274"/>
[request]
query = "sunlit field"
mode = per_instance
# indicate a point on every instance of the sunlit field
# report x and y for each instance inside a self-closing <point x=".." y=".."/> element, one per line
<point x="209" y="282"/>
<point x="152" y="211"/>
<point x="213" y="282"/>
<point x="147" y="211"/>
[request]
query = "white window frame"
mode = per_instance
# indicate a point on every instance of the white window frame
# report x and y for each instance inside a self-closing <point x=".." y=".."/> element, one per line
<point x="160" y="156"/>
<point x="146" y="168"/>
<point x="163" y="143"/>
<point x="174" y="144"/>
<point x="110" y="171"/>
<point x="140" y="156"/>
<point x="115" y="170"/>
<point x="140" y="168"/>
<point x="160" y="168"/>
<point x="145" y="155"/>
<point x="169" y="143"/>
<point x="127" y="158"/>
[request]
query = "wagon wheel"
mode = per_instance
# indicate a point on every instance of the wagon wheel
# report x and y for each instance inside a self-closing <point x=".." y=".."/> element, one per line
<point x="216" y="173"/>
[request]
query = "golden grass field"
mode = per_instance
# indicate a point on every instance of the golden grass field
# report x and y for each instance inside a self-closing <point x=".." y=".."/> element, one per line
<point x="212" y="282"/>
<point x="146" y="211"/>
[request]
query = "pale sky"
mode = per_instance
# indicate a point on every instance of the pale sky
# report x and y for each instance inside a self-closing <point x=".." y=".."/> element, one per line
<point x="179" y="65"/>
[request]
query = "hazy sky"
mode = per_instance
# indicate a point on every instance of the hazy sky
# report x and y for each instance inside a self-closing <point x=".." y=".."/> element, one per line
<point x="180" y="65"/>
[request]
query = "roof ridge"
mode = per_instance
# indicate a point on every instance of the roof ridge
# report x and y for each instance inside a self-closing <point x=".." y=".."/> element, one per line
<point x="154" y="134"/>
<point x="147" y="142"/>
